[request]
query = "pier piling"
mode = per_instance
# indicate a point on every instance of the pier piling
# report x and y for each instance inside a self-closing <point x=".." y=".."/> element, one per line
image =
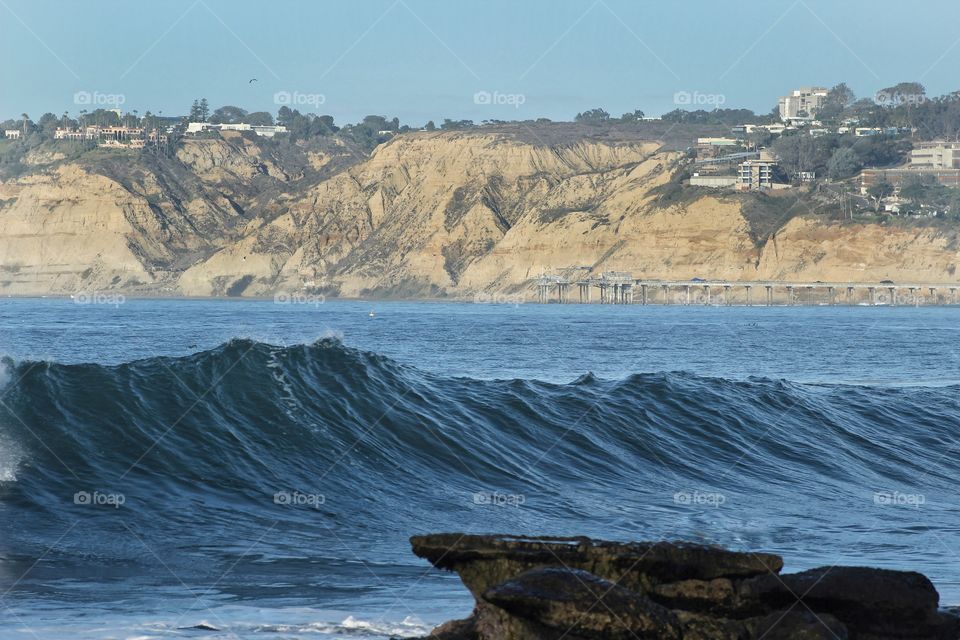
<point x="617" y="287"/>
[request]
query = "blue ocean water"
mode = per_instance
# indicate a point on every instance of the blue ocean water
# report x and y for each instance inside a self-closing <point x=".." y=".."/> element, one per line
<point x="249" y="469"/>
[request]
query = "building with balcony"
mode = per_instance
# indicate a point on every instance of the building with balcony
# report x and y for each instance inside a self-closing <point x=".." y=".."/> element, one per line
<point x="759" y="174"/>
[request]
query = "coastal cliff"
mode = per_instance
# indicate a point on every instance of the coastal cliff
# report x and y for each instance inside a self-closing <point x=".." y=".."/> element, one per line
<point x="445" y="214"/>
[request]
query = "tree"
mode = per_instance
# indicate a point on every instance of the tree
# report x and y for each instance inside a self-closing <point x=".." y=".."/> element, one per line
<point x="902" y="93"/>
<point x="725" y="117"/>
<point x="284" y="116"/>
<point x="592" y="116"/>
<point x="105" y="118"/>
<point x="800" y="152"/>
<point x="150" y="121"/>
<point x="881" y="151"/>
<point x="838" y="99"/>
<point x="204" y="110"/>
<point x="259" y="118"/>
<point x="953" y="204"/>
<point x="48" y="124"/>
<point x="843" y="163"/>
<point x="634" y="116"/>
<point x="841" y="95"/>
<point x="430" y="126"/>
<point x="878" y="191"/>
<point x="452" y="125"/>
<point x="375" y="124"/>
<point x="323" y="126"/>
<point x="914" y="188"/>
<point x="227" y="115"/>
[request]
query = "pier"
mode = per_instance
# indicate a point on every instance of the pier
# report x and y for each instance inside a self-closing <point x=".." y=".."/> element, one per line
<point x="618" y="287"/>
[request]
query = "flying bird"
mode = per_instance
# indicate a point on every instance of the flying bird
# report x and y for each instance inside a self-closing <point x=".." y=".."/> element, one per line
<point x="252" y="80"/>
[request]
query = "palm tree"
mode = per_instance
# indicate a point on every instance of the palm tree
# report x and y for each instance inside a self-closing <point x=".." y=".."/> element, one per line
<point x="26" y="119"/>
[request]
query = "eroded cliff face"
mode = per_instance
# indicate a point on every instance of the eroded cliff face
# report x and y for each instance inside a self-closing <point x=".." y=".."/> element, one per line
<point x="427" y="214"/>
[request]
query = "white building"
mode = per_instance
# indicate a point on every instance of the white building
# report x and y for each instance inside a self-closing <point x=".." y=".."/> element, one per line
<point x="802" y="104"/>
<point x="267" y="131"/>
<point x="775" y="129"/>
<point x="715" y="182"/>
<point x="12" y="134"/>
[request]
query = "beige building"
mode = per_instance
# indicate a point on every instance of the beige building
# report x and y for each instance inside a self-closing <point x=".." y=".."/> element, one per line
<point x="936" y="155"/>
<point x="758" y="175"/>
<point x="802" y="103"/>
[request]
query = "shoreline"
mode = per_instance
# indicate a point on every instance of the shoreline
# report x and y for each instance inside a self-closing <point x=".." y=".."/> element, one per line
<point x="126" y="297"/>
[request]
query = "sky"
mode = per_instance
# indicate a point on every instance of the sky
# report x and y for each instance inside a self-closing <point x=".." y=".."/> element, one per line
<point x="425" y="60"/>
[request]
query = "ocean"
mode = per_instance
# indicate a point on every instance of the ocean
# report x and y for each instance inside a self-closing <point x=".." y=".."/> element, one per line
<point x="248" y="469"/>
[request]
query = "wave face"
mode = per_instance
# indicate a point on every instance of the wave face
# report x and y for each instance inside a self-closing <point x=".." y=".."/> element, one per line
<point x="300" y="467"/>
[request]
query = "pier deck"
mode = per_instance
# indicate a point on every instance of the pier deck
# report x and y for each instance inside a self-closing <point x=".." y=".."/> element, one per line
<point x="622" y="288"/>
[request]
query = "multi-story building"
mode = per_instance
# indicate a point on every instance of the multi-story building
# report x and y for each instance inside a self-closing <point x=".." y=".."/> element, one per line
<point x="12" y="134"/>
<point x="759" y="174"/>
<point x="111" y="136"/>
<point x="802" y="104"/>
<point x="936" y="155"/>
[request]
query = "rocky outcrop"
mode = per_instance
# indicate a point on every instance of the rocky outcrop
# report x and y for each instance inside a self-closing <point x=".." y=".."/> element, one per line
<point x="577" y="588"/>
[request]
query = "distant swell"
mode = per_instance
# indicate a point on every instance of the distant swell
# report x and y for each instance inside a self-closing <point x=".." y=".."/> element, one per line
<point x="199" y="447"/>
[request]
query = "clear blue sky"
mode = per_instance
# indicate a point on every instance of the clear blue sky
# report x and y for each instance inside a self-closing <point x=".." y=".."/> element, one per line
<point x="425" y="59"/>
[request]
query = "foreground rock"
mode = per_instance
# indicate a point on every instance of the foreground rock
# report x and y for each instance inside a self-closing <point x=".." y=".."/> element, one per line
<point x="578" y="588"/>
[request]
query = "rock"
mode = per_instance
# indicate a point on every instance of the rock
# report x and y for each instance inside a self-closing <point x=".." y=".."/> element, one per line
<point x="878" y="601"/>
<point x="483" y="561"/>
<point x="573" y="601"/>
<point x="581" y="589"/>
<point x="720" y="596"/>
<point x="796" y="624"/>
<point x="698" y="626"/>
<point x="465" y="629"/>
